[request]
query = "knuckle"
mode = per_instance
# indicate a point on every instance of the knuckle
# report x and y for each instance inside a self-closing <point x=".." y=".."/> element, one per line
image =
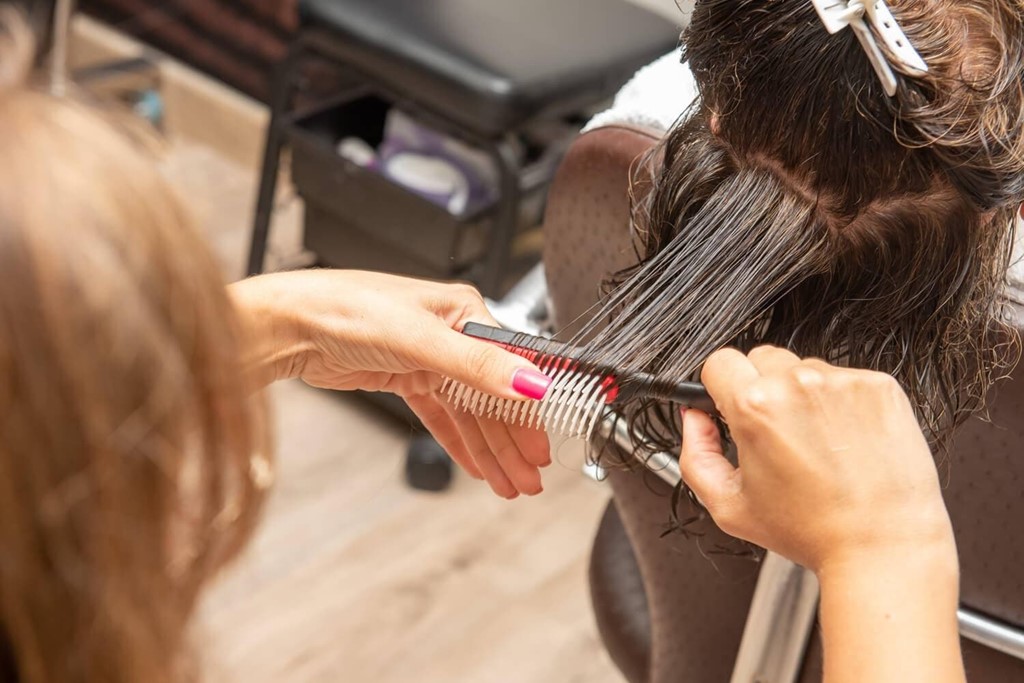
<point x="463" y="291"/>
<point x="718" y="361"/>
<point x="821" y="365"/>
<point x="844" y="384"/>
<point x="459" y="298"/>
<point x="885" y="385"/>
<point x="480" y="362"/>
<point x="808" y="379"/>
<point x="762" y="352"/>
<point x="429" y="408"/>
<point x="507" y="453"/>
<point x="756" y="399"/>
<point x="883" y="382"/>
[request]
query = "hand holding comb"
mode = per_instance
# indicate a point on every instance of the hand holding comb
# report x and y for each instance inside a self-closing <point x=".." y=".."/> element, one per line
<point x="579" y="394"/>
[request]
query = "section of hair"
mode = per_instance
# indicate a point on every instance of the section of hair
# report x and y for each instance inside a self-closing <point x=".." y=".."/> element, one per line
<point x="823" y="216"/>
<point x="708" y="285"/>
<point x="968" y="110"/>
<point x="128" y="432"/>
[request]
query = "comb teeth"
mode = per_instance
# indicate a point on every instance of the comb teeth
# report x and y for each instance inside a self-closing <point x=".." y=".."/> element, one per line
<point x="573" y="406"/>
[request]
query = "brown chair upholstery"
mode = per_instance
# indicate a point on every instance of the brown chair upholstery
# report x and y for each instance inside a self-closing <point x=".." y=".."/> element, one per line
<point x="586" y="234"/>
<point x="673" y="609"/>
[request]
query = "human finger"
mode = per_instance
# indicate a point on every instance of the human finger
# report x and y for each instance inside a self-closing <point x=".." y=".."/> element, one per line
<point x="523" y="475"/>
<point x="480" y="365"/>
<point x="702" y="461"/>
<point x="480" y="451"/>
<point x="440" y="424"/>
<point x="770" y="360"/>
<point x="533" y="444"/>
<point x="726" y="374"/>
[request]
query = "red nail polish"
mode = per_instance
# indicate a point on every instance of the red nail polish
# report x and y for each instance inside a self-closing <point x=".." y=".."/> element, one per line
<point x="531" y="383"/>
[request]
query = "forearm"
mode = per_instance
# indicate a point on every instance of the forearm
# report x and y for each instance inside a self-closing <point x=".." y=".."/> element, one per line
<point x="892" y="619"/>
<point x="273" y="343"/>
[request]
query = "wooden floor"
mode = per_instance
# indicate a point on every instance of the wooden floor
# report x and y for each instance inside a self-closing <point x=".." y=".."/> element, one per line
<point x="354" y="577"/>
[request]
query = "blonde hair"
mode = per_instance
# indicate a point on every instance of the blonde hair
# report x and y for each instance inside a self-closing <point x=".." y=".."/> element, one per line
<point x="128" y="430"/>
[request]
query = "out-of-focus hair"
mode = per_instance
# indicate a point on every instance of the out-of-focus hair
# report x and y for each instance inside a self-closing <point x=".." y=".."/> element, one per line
<point x="131" y="441"/>
<point x="796" y="204"/>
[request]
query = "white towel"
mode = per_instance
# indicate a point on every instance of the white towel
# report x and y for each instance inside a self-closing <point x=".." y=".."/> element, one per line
<point x="654" y="98"/>
<point x="659" y="93"/>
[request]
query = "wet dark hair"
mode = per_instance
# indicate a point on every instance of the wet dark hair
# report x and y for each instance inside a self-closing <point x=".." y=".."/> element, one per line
<point x="797" y="204"/>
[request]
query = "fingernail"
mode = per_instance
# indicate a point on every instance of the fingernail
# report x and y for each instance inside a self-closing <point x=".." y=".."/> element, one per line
<point x="531" y="383"/>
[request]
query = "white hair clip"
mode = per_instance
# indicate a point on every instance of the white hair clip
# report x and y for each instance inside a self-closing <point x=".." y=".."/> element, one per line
<point x="857" y="14"/>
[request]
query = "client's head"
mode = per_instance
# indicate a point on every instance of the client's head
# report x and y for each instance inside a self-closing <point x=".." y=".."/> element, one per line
<point x="798" y="204"/>
<point x="127" y="430"/>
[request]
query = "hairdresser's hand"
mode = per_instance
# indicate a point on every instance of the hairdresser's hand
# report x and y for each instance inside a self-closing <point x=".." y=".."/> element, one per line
<point x="358" y="330"/>
<point x="835" y="474"/>
<point x="832" y="464"/>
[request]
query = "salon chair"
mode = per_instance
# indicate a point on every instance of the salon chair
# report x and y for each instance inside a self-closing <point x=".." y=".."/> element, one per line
<point x="695" y="609"/>
<point x="482" y="72"/>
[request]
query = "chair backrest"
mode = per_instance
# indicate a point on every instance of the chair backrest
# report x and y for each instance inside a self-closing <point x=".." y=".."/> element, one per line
<point x="689" y="620"/>
<point x="985" y="496"/>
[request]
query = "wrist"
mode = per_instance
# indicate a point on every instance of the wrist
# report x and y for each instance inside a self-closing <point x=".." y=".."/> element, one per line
<point x="914" y="528"/>
<point x="276" y="339"/>
<point x="930" y="561"/>
<point x="891" y="614"/>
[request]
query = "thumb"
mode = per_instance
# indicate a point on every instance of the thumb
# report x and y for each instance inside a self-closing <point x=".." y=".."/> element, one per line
<point x="702" y="461"/>
<point x="488" y="367"/>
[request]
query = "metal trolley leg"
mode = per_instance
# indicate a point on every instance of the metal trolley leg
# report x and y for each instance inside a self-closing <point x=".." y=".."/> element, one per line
<point x="280" y="105"/>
